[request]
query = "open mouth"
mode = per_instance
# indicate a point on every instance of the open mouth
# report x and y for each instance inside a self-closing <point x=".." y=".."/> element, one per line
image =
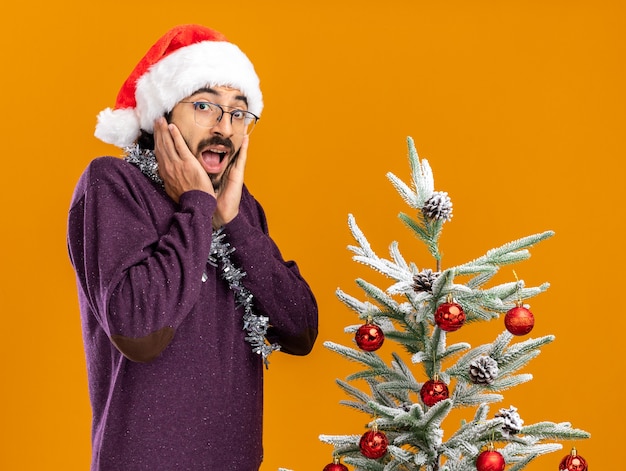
<point x="212" y="159"/>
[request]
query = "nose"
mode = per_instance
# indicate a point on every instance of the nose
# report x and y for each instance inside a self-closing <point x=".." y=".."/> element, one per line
<point x="224" y="126"/>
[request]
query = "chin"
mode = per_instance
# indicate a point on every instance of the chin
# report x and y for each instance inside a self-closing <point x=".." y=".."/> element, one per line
<point x="216" y="180"/>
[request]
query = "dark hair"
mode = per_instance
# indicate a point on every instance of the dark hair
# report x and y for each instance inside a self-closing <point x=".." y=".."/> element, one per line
<point x="146" y="139"/>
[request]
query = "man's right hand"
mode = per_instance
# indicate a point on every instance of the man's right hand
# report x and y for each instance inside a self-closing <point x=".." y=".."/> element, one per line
<point x="178" y="167"/>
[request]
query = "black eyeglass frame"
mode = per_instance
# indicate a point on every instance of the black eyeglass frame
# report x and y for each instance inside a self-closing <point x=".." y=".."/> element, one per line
<point x="254" y="119"/>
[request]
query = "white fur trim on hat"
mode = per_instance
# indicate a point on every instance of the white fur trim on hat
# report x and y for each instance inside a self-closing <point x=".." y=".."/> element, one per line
<point x="118" y="127"/>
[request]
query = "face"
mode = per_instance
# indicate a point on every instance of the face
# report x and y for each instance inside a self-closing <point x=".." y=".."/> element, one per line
<point x="215" y="148"/>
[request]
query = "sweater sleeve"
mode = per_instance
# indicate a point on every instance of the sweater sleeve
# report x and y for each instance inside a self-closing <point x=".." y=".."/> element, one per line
<point x="279" y="290"/>
<point x="139" y="280"/>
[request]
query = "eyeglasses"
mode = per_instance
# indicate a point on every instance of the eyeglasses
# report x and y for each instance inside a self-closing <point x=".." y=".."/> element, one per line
<point x="208" y="115"/>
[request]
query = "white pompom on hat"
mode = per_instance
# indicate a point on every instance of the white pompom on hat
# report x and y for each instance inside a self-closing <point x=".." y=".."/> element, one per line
<point x="186" y="59"/>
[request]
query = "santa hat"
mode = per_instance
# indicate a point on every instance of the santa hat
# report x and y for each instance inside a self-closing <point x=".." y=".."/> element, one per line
<point x="186" y="59"/>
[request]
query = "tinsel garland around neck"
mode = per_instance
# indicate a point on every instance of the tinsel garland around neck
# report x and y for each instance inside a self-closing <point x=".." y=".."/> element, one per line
<point x="145" y="160"/>
<point x="219" y="256"/>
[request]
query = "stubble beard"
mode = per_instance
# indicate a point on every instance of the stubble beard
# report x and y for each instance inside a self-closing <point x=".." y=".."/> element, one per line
<point x="218" y="180"/>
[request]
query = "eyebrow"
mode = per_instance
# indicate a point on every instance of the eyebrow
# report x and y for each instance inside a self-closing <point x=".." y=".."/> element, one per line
<point x="216" y="93"/>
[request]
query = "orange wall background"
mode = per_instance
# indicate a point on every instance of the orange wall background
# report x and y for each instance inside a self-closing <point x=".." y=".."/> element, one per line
<point x="519" y="107"/>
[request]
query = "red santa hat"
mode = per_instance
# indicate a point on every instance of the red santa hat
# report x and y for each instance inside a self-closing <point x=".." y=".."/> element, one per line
<point x="185" y="59"/>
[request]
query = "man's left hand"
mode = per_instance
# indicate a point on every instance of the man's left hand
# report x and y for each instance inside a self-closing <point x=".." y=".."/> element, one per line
<point x="229" y="196"/>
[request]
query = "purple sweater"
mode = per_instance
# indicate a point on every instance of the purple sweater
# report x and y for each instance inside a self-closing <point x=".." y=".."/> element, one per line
<point x="172" y="382"/>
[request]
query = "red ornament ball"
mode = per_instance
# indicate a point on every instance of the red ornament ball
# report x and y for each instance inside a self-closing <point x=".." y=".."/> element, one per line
<point x="573" y="462"/>
<point x="449" y="316"/>
<point x="335" y="466"/>
<point x="433" y="391"/>
<point x="373" y="444"/>
<point x="490" y="460"/>
<point x="369" y="337"/>
<point x="519" y="320"/>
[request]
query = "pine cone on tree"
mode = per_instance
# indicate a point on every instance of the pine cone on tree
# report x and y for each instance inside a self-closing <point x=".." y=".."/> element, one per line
<point x="483" y="370"/>
<point x="424" y="280"/>
<point x="512" y="421"/>
<point x="438" y="206"/>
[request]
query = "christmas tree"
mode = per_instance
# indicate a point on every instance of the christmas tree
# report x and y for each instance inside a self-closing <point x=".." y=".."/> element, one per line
<point x="409" y="399"/>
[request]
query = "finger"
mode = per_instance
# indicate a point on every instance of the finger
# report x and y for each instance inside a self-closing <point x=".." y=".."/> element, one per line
<point x="243" y="151"/>
<point x="240" y="164"/>
<point x="163" y="144"/>
<point x="160" y="130"/>
<point x="179" y="143"/>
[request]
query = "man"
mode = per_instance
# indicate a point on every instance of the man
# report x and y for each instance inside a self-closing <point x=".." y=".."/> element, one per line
<point x="182" y="293"/>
